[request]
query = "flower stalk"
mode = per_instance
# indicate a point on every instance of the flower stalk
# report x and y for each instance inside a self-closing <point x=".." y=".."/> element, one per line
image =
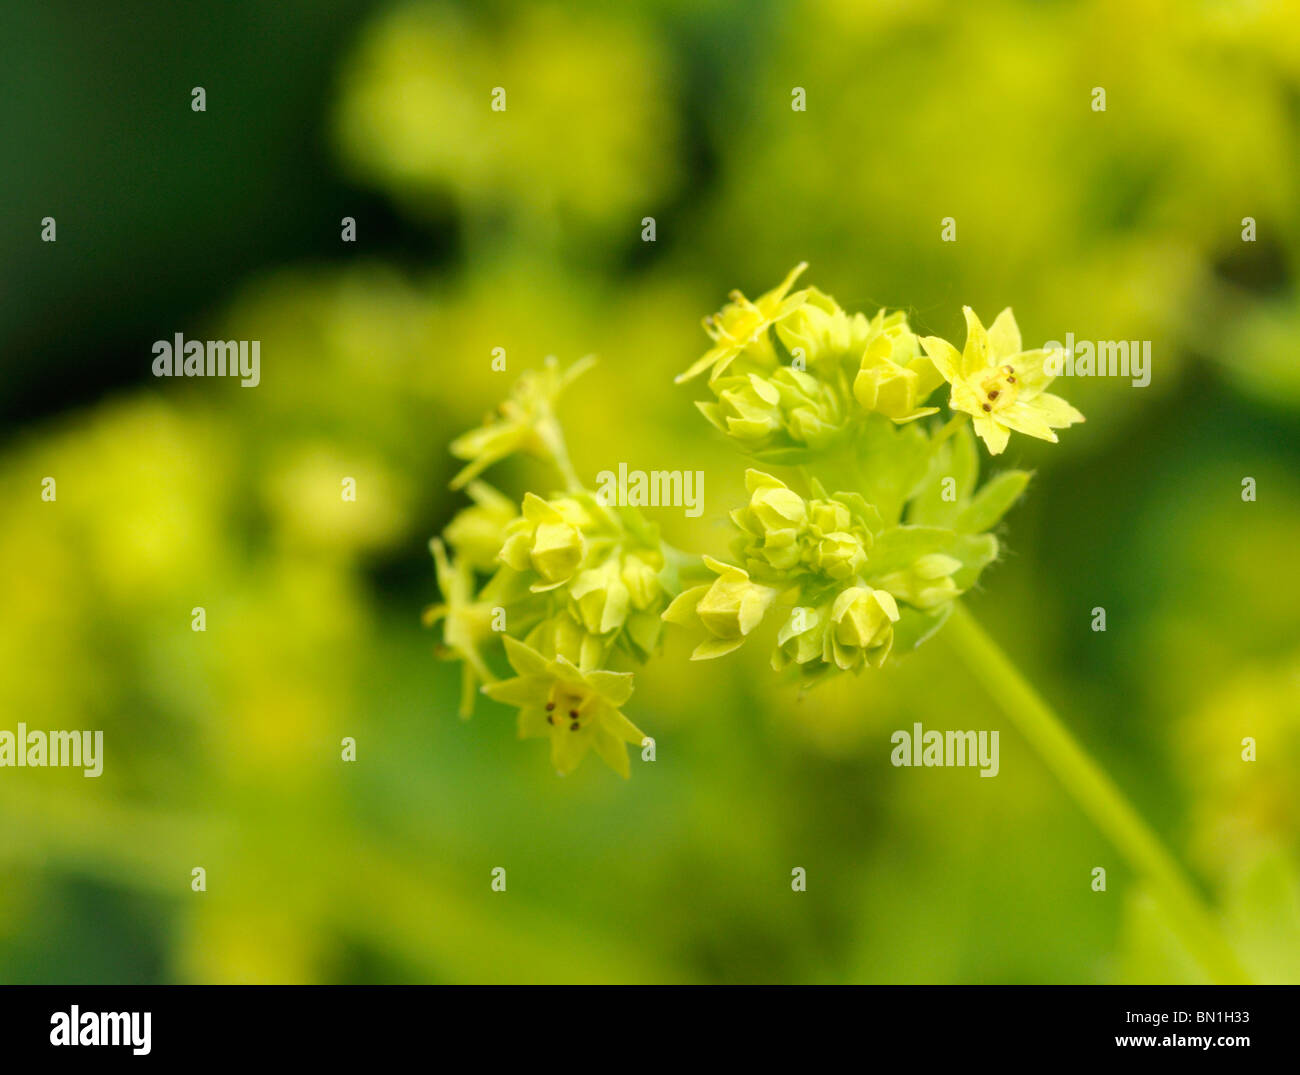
<point x="1097" y="795"/>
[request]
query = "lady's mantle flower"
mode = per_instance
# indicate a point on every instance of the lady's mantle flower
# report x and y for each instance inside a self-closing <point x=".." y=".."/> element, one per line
<point x="742" y="323"/>
<point x="854" y="630"/>
<point x="774" y="520"/>
<point x="893" y="377"/>
<point x="466" y="623"/>
<point x="476" y="532"/>
<point x="998" y="384"/>
<point x="523" y="423"/>
<point x="729" y="608"/>
<point x="783" y="534"/>
<point x="579" y="711"/>
<point x="547" y="539"/>
<point x="862" y="627"/>
<point x="789" y="409"/>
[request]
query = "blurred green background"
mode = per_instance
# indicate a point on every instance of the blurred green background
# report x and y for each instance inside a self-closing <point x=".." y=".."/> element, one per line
<point x="522" y="230"/>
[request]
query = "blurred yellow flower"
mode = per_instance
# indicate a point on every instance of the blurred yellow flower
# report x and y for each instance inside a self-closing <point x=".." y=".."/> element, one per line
<point x="466" y="622"/>
<point x="523" y="423"/>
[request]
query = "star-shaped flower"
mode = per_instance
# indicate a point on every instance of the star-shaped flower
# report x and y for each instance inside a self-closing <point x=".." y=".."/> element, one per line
<point x="579" y="711"/>
<point x="741" y="323"/>
<point x="523" y="423"/>
<point x="466" y="623"/>
<point x="1000" y="385"/>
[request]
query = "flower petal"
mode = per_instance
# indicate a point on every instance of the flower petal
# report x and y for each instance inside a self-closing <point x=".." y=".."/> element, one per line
<point x="532" y="723"/>
<point x="614" y="687"/>
<point x="568" y="748"/>
<point x="616" y="723"/>
<point x="520" y="691"/>
<point x="994" y="435"/>
<point x="716" y="647"/>
<point x="976" y="355"/>
<point x="1056" y="412"/>
<point x="524" y="659"/>
<point x="682" y="609"/>
<point x="612" y="752"/>
<point x="944" y="355"/>
<point x="1004" y="335"/>
<point x="1028" y="419"/>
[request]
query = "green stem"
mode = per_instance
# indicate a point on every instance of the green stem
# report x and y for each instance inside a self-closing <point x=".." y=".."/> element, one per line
<point x="1097" y="794"/>
<point x="552" y="435"/>
<point x="949" y="428"/>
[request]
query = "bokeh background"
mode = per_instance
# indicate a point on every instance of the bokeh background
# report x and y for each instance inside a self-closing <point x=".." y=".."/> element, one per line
<point x="522" y="230"/>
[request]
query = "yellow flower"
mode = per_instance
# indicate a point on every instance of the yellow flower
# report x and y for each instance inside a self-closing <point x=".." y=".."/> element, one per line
<point x="892" y="378"/>
<point x="476" y="533"/>
<point x="729" y="609"/>
<point x="466" y="622"/>
<point x="578" y="711"/>
<point x="523" y="423"/>
<point x="998" y="384"/>
<point x="741" y="323"/>
<point x="862" y="627"/>
<point x="547" y="539"/>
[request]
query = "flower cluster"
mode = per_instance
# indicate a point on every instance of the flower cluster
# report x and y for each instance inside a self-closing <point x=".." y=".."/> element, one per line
<point x="793" y="372"/>
<point x="570" y="591"/>
<point x="563" y="588"/>
<point x="859" y="573"/>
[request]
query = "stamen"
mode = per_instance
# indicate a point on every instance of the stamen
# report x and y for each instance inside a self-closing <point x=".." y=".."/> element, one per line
<point x="574" y="726"/>
<point x="988" y="406"/>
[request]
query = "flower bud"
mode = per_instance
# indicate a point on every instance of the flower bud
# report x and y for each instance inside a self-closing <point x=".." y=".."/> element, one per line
<point x="729" y="609"/>
<point x="786" y="409"/>
<point x="892" y="379"/>
<point x="927" y="583"/>
<point x="601" y="597"/>
<point x="821" y="333"/>
<point x="802" y="637"/>
<point x="838" y="555"/>
<point x="811" y="411"/>
<point x="547" y="539"/>
<point x="862" y="627"/>
<point x="774" y="518"/>
<point x="747" y="408"/>
<point x="476" y="533"/>
<point x="564" y="636"/>
<point x="838" y="540"/>
<point x="640" y="575"/>
<point x="733" y="605"/>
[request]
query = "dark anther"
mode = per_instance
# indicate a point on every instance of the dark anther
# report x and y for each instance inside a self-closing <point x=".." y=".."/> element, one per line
<point x="988" y="407"/>
<point x="574" y="726"/>
<point x="550" y="706"/>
